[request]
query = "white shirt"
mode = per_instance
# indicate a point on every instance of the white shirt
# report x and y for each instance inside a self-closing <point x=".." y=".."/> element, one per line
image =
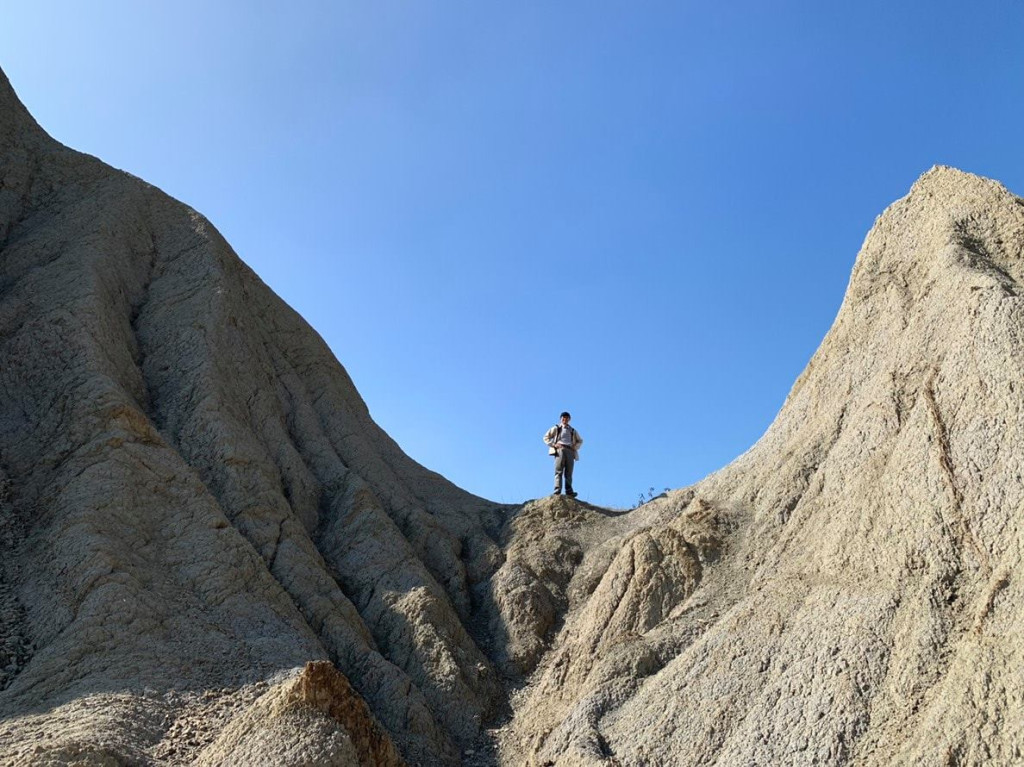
<point x="565" y="438"/>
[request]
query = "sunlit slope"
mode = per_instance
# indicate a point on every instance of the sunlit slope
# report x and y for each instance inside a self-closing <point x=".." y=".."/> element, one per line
<point x="849" y="591"/>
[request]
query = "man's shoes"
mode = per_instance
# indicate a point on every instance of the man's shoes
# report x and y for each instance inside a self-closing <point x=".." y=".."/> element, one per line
<point x="572" y="494"/>
<point x="557" y="492"/>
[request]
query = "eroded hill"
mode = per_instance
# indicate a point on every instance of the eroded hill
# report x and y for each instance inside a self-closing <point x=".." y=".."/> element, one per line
<point x="849" y="591"/>
<point x="212" y="555"/>
<point x="196" y="499"/>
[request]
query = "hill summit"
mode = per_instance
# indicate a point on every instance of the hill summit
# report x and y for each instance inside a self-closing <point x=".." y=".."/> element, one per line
<point x="210" y="554"/>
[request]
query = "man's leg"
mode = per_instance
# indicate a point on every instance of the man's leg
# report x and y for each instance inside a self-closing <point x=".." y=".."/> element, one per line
<point x="567" y="466"/>
<point x="559" y="457"/>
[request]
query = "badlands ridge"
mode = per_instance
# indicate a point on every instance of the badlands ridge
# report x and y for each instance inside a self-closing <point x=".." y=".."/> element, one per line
<point x="212" y="555"/>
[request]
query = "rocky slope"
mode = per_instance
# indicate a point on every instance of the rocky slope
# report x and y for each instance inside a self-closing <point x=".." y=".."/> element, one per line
<point x="194" y="497"/>
<point x="850" y="590"/>
<point x="210" y="554"/>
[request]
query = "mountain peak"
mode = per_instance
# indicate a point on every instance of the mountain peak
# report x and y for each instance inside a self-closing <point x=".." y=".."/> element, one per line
<point x="15" y="119"/>
<point x="951" y="185"/>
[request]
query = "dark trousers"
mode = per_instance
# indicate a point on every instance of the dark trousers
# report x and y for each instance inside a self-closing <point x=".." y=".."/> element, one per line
<point x="564" y="459"/>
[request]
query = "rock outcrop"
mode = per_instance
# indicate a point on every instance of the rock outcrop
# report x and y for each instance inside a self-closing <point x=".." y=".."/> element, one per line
<point x="210" y="554"/>
<point x="314" y="718"/>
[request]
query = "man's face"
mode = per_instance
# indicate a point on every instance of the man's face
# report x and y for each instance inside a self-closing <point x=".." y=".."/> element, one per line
<point x="565" y="420"/>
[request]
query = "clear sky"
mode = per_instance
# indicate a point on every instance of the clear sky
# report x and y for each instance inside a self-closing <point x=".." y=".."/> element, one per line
<point x="644" y="213"/>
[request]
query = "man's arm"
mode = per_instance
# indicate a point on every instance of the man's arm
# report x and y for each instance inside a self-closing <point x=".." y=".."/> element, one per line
<point x="549" y="436"/>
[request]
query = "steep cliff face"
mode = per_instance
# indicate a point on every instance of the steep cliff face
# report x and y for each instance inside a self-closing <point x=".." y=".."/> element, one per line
<point x="209" y="553"/>
<point x="194" y="496"/>
<point x="849" y="591"/>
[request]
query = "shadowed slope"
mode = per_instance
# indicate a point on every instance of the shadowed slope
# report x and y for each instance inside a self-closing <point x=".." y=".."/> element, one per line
<point x="195" y="495"/>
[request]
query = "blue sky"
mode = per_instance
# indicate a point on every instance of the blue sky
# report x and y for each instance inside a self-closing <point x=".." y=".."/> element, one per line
<point x="644" y="213"/>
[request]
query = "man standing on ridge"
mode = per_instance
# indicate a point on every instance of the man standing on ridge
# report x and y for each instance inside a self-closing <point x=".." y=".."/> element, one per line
<point x="564" y="443"/>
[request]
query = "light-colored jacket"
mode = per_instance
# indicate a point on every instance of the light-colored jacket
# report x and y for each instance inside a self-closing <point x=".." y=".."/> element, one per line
<point x="551" y="440"/>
